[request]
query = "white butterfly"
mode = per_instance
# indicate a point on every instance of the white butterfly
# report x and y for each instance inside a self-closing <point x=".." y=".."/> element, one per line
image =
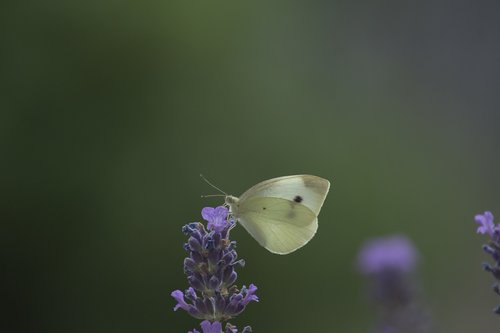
<point x="281" y="213"/>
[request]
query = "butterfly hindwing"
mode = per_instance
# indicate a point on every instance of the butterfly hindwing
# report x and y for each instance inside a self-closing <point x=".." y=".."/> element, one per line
<point x="281" y="226"/>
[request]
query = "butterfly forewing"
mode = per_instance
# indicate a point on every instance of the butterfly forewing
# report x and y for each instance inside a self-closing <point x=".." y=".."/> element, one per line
<point x="304" y="189"/>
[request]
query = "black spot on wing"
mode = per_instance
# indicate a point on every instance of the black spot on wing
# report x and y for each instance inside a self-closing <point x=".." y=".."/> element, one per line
<point x="298" y="198"/>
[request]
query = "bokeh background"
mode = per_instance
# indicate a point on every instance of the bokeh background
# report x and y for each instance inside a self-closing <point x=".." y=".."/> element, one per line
<point x="111" y="109"/>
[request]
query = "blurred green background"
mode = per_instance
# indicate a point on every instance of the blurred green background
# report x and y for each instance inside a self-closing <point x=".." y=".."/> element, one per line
<point x="111" y="109"/>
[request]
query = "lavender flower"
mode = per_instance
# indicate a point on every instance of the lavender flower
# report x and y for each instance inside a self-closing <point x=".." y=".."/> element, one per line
<point x="390" y="264"/>
<point x="211" y="272"/>
<point x="487" y="226"/>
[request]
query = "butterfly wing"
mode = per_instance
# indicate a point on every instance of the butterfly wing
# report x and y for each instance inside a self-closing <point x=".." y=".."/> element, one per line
<point x="281" y="226"/>
<point x="281" y="213"/>
<point x="307" y="190"/>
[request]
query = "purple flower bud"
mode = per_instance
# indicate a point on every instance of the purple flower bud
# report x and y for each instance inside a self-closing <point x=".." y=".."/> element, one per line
<point x="495" y="253"/>
<point x="214" y="257"/>
<point x="234" y="302"/>
<point x="197" y="257"/>
<point x="217" y="239"/>
<point x="250" y="295"/>
<point x="230" y="276"/>
<point x="196" y="283"/>
<point x="201" y="305"/>
<point x="189" y="264"/>
<point x="493" y="270"/>
<point x="191" y="294"/>
<point x="188" y="229"/>
<point x="228" y="258"/>
<point x="236" y="298"/>
<point x="194" y="312"/>
<point x="214" y="283"/>
<point x="208" y="327"/>
<point x="194" y="244"/>
<point x="486" y="225"/>
<point x="220" y="303"/>
<point x="209" y="306"/>
<point x="488" y="249"/>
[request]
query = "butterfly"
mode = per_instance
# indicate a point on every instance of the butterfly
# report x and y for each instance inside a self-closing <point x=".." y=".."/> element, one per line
<point x="281" y="213"/>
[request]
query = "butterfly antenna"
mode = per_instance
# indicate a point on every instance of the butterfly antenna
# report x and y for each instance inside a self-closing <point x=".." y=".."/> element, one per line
<point x="215" y="187"/>
<point x="212" y="195"/>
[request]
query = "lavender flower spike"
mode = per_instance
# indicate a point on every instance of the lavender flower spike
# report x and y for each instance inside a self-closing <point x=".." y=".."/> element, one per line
<point x="210" y="268"/>
<point x="487" y="226"/>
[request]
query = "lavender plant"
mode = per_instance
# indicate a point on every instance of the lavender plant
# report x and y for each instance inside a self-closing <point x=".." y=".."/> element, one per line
<point x="487" y="226"/>
<point x="211" y="273"/>
<point x="389" y="263"/>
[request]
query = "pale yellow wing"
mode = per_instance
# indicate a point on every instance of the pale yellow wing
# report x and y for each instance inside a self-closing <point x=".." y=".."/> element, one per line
<point x="280" y="225"/>
<point x="308" y="190"/>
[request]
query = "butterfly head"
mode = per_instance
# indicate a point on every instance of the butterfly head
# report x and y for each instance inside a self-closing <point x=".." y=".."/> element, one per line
<point x="232" y="202"/>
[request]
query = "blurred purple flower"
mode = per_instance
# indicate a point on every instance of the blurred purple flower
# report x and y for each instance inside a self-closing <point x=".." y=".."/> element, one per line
<point x="211" y="272"/>
<point x="487" y="226"/>
<point x="393" y="253"/>
<point x="389" y="263"/>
